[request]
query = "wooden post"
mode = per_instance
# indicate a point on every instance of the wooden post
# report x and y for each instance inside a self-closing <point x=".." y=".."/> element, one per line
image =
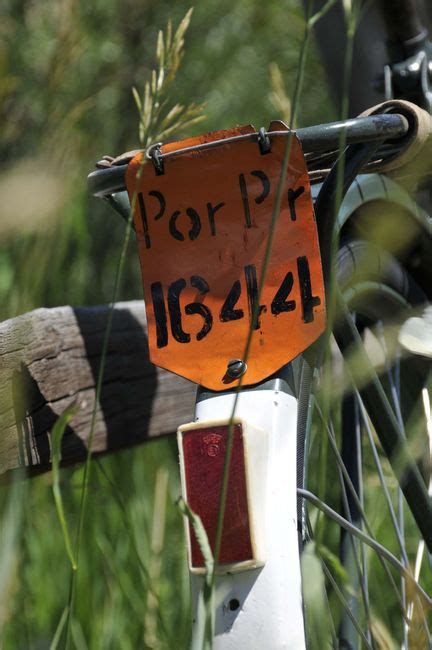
<point x="50" y="358"/>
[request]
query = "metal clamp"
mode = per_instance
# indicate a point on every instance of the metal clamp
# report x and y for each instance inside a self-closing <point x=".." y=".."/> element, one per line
<point x="154" y="154"/>
<point x="264" y="142"/>
<point x="408" y="75"/>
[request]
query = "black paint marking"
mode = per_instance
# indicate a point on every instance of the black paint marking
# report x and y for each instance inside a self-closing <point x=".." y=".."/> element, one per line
<point x="194" y="230"/>
<point x="160" y="314"/>
<point x="211" y="211"/>
<point x="198" y="308"/>
<point x="280" y="302"/>
<point x="196" y="223"/>
<point x="144" y="219"/>
<point x="172" y="226"/>
<point x="199" y="283"/>
<point x="308" y="300"/>
<point x="228" y="313"/>
<point x="293" y="195"/>
<point x="174" y="291"/>
<point x="266" y="185"/>
<point x="245" y="199"/>
<point x="252" y="292"/>
<point x="162" y="203"/>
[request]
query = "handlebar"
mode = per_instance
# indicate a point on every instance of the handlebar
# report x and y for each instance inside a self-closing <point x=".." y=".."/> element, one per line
<point x="314" y="139"/>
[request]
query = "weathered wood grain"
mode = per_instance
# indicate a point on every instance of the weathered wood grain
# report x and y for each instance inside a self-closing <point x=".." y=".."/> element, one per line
<point x="50" y="358"/>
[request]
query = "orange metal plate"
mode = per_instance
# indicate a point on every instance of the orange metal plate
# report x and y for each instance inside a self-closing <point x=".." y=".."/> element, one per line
<point x="202" y="229"/>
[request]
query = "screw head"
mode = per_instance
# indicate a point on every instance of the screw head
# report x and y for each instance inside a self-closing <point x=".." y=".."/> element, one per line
<point x="236" y="368"/>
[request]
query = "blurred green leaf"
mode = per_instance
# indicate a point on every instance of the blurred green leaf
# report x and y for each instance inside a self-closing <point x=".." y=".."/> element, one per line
<point x="56" y="439"/>
<point x="10" y="528"/>
<point x="334" y="562"/>
<point x="313" y="585"/>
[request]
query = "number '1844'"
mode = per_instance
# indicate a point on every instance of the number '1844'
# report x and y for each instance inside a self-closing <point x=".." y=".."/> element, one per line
<point x="169" y="309"/>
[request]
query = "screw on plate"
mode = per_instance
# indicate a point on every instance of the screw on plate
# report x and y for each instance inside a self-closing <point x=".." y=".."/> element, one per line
<point x="236" y="368"/>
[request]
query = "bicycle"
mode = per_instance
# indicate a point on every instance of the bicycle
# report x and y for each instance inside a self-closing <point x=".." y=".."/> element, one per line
<point x="256" y="585"/>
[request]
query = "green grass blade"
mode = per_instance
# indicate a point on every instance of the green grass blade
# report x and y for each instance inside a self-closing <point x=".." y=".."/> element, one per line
<point x="205" y="620"/>
<point x="59" y="631"/>
<point x="56" y="438"/>
<point x="200" y="533"/>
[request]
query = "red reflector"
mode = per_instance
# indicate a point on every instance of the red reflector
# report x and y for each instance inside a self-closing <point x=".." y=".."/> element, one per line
<point x="204" y="455"/>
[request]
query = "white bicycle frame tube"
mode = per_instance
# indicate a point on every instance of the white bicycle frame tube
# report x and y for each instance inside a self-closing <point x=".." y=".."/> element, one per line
<point x="269" y="613"/>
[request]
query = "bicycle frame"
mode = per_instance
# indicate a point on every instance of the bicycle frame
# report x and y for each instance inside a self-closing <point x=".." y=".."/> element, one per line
<point x="251" y="606"/>
<point x="262" y="606"/>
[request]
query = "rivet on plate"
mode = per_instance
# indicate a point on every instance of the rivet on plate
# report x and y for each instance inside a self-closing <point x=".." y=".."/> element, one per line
<point x="236" y="368"/>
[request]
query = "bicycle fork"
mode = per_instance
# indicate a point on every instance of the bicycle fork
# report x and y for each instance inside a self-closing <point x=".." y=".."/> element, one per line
<point x="258" y="600"/>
